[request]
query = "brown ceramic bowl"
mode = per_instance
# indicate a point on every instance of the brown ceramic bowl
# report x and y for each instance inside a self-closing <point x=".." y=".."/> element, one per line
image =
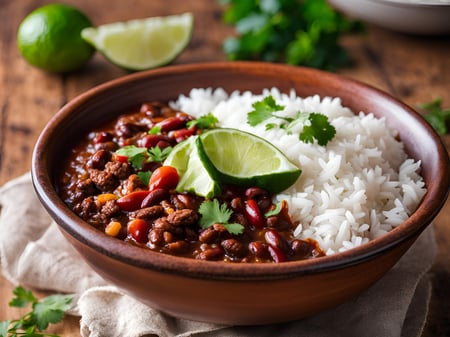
<point x="225" y="292"/>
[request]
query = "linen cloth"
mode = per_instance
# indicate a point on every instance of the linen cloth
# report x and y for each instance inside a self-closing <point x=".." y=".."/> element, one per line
<point x="34" y="253"/>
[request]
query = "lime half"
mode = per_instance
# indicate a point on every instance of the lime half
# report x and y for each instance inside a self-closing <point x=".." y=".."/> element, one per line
<point x="194" y="177"/>
<point x="143" y="43"/>
<point x="236" y="157"/>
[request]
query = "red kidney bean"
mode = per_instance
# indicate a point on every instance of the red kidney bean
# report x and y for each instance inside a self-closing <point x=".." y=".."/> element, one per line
<point x="275" y="239"/>
<point x="150" y="141"/>
<point x="139" y="230"/>
<point x="102" y="137"/>
<point x="253" y="214"/>
<point x="155" y="197"/>
<point x="133" y="201"/>
<point x="277" y="254"/>
<point x="215" y="253"/>
<point x="182" y="134"/>
<point x="256" y="193"/>
<point x="258" y="249"/>
<point x="171" y="123"/>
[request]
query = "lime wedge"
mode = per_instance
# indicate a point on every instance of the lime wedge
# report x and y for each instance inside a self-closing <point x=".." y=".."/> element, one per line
<point x="236" y="157"/>
<point x="143" y="43"/>
<point x="194" y="177"/>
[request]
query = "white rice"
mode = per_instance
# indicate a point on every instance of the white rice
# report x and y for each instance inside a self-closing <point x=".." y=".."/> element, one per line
<point x="358" y="187"/>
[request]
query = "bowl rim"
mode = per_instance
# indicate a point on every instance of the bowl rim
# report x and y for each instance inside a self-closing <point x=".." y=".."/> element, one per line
<point x="72" y="225"/>
<point x="434" y="4"/>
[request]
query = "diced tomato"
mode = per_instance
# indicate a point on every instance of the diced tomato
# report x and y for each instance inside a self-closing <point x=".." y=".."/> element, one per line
<point x="164" y="177"/>
<point x="138" y="229"/>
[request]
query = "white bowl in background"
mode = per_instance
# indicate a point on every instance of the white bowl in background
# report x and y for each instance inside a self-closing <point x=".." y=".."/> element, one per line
<point x="423" y="17"/>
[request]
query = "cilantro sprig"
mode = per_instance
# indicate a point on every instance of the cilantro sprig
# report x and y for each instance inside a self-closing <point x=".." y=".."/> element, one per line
<point x="43" y="312"/>
<point x="137" y="156"/>
<point x="300" y="32"/>
<point x="437" y="116"/>
<point x="213" y="212"/>
<point x="316" y="126"/>
<point x="208" y="121"/>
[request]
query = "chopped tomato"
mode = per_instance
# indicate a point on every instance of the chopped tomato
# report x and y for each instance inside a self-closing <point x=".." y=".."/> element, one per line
<point x="164" y="177"/>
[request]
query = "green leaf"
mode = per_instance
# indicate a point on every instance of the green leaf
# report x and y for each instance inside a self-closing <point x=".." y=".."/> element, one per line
<point x="275" y="211"/>
<point x="50" y="310"/>
<point x="4" y="327"/>
<point x="155" y="130"/>
<point x="208" y="121"/>
<point x="212" y="212"/>
<point x="320" y="129"/>
<point x="436" y="115"/>
<point x="136" y="155"/>
<point x="156" y="154"/>
<point x="263" y="110"/>
<point x="22" y="298"/>
<point x="144" y="176"/>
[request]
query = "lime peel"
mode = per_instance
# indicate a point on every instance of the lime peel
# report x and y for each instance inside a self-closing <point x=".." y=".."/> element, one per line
<point x="142" y="43"/>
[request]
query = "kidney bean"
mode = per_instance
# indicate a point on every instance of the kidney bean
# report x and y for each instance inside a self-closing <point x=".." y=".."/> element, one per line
<point x="258" y="249"/>
<point x="139" y="230"/>
<point x="256" y="193"/>
<point x="253" y="214"/>
<point x="171" y="123"/>
<point x="215" y="253"/>
<point x="133" y="201"/>
<point x="102" y="137"/>
<point x="156" y="236"/>
<point x="155" y="197"/>
<point x="151" y="109"/>
<point x="150" y="141"/>
<point x="275" y="239"/>
<point x="99" y="159"/>
<point x="208" y="235"/>
<point x="237" y="204"/>
<point x="182" y="134"/>
<point x="233" y="247"/>
<point x="178" y="247"/>
<point x="277" y="254"/>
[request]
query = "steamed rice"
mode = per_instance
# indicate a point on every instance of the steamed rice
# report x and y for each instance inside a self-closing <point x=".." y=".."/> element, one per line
<point x="358" y="187"/>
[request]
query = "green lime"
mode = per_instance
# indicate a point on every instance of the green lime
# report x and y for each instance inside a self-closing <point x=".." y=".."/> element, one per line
<point x="50" y="38"/>
<point x="143" y="43"/>
<point x="194" y="177"/>
<point x="236" y="157"/>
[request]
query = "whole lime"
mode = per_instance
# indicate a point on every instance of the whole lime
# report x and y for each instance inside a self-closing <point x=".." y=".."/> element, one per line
<point x="50" y="38"/>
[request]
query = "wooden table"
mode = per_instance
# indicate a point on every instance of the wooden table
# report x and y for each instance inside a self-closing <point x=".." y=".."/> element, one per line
<point x="414" y="69"/>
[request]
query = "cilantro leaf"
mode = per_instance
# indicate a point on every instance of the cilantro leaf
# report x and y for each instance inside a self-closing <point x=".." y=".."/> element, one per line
<point x="144" y="176"/>
<point x="158" y="155"/>
<point x="437" y="116"/>
<point x="136" y="155"/>
<point x="320" y="129"/>
<point x="263" y="110"/>
<point x="50" y="310"/>
<point x="212" y="212"/>
<point x="275" y="211"/>
<point x="208" y="121"/>
<point x="300" y="32"/>
<point x="22" y="298"/>
<point x="44" y="312"/>
<point x="155" y="130"/>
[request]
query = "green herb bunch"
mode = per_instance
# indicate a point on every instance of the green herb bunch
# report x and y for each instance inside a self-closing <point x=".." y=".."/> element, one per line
<point x="43" y="312"/>
<point x="298" y="32"/>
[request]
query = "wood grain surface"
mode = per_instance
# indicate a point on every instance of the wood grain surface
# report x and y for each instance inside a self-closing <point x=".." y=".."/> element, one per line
<point x="414" y="69"/>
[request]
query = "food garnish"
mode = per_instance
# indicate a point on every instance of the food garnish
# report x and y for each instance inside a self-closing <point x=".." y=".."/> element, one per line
<point x="44" y="312"/>
<point x="437" y="116"/>
<point x="295" y="32"/>
<point x="316" y="125"/>
<point x="208" y="121"/>
<point x="214" y="213"/>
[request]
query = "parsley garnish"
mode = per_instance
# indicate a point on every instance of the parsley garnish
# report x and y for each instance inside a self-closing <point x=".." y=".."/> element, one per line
<point x="44" y="312"/>
<point x="437" y="116"/>
<point x="137" y="156"/>
<point x="319" y="127"/>
<point x="155" y="130"/>
<point x="208" y="121"/>
<point x="300" y="32"/>
<point x="212" y="212"/>
<point x="275" y="211"/>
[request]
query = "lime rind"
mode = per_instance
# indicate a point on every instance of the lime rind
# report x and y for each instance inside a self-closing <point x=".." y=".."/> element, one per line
<point x="194" y="178"/>
<point x="240" y="158"/>
<point x="143" y="43"/>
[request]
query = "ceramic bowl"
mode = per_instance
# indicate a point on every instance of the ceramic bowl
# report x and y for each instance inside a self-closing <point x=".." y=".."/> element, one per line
<point x="225" y="292"/>
<point x="423" y="17"/>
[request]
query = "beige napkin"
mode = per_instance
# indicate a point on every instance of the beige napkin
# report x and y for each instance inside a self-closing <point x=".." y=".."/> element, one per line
<point x="34" y="253"/>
